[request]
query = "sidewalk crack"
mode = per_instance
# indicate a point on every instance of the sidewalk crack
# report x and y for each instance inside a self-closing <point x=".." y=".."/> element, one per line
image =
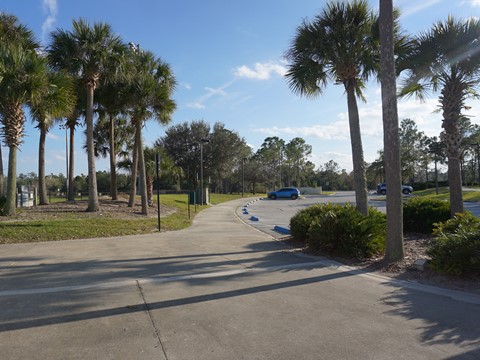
<point x="147" y="309"/>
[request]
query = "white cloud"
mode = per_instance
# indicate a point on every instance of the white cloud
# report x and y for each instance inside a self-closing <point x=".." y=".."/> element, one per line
<point x="415" y="7"/>
<point x="53" y="136"/>
<point x="261" y="71"/>
<point x="474" y="2"/>
<point x="50" y="9"/>
<point x="211" y="92"/>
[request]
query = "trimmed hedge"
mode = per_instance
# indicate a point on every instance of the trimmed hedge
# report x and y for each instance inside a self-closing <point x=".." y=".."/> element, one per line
<point x="420" y="214"/>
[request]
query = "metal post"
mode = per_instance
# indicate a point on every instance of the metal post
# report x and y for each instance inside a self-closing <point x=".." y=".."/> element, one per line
<point x="243" y="176"/>
<point x="202" y="141"/>
<point x="157" y="159"/>
<point x="201" y="172"/>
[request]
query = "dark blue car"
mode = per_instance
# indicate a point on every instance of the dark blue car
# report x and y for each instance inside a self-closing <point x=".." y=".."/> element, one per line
<point x="284" y="193"/>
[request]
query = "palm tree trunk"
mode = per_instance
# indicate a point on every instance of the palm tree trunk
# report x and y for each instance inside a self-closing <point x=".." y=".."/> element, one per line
<point x="71" y="167"/>
<point x="42" y="186"/>
<point x="454" y="172"/>
<point x="360" y="181"/>
<point x="391" y="140"/>
<point x="133" y="184"/>
<point x="141" y="167"/>
<point x="149" y="181"/>
<point x="10" y="206"/>
<point x="113" y="160"/>
<point x="452" y="104"/>
<point x="93" y="204"/>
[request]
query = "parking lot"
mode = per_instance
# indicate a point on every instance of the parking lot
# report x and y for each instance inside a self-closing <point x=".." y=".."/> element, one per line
<point x="277" y="213"/>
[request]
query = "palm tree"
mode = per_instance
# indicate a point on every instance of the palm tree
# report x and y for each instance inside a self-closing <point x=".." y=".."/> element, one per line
<point x="89" y="52"/>
<point x="57" y="101"/>
<point x="149" y="95"/>
<point x="113" y="135"/>
<point x="446" y="58"/>
<point x="338" y="45"/>
<point x="111" y="99"/>
<point x="23" y="80"/>
<point x="391" y="139"/>
<point x="22" y="74"/>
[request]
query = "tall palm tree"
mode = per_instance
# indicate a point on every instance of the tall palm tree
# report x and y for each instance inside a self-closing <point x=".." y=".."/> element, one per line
<point x="89" y="52"/>
<point x="391" y="139"/>
<point x="447" y="58"/>
<point x="111" y="99"/>
<point x="57" y="101"/>
<point x="22" y="75"/>
<point x="23" y="78"/>
<point x="149" y="94"/>
<point x="340" y="44"/>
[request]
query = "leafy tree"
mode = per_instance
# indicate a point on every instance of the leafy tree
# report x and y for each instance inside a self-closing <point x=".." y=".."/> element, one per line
<point x="271" y="155"/>
<point x="411" y="148"/>
<point x="445" y="58"/>
<point x="92" y="52"/>
<point x="296" y="153"/>
<point x="223" y="155"/>
<point x="339" y="44"/>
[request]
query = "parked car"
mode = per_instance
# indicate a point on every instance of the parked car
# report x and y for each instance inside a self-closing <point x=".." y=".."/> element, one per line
<point x="382" y="189"/>
<point x="284" y="193"/>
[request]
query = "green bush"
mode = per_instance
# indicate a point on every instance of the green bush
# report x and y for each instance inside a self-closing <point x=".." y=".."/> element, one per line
<point x="341" y="230"/>
<point x="301" y="221"/>
<point x="456" y="249"/>
<point x="420" y="214"/>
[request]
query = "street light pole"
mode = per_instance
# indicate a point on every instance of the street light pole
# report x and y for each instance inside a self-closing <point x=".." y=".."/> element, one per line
<point x="243" y="176"/>
<point x="202" y="141"/>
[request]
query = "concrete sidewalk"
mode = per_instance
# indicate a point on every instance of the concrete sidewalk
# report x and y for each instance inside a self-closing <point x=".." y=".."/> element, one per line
<point x="218" y="290"/>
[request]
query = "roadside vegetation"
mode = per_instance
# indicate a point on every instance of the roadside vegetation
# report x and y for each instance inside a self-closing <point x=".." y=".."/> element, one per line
<point x="81" y="225"/>
<point x="338" y="230"/>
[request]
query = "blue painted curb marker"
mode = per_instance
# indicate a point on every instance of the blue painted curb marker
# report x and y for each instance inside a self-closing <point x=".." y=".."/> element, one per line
<point x="282" y="230"/>
<point x="254" y="218"/>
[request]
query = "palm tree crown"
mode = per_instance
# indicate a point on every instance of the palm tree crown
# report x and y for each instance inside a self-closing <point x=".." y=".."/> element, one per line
<point x="340" y="44"/>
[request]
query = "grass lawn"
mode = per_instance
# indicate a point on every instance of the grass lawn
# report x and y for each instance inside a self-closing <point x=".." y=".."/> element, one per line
<point x="76" y="225"/>
<point x="444" y="194"/>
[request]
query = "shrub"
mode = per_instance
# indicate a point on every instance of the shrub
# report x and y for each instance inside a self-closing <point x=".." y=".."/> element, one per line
<point x="456" y="250"/>
<point x="301" y="221"/>
<point x="419" y="214"/>
<point x="466" y="219"/>
<point x="341" y="230"/>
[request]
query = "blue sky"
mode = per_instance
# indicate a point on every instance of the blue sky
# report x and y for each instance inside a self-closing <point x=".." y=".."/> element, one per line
<point x="228" y="60"/>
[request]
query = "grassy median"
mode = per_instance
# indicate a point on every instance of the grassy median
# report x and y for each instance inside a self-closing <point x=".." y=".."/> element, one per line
<point x="51" y="225"/>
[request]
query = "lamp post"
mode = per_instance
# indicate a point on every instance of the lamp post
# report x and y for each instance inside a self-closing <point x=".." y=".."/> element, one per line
<point x="243" y="176"/>
<point x="202" y="141"/>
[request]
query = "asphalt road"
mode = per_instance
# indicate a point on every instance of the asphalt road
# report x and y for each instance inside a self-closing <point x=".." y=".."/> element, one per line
<point x="218" y="290"/>
<point x="272" y="213"/>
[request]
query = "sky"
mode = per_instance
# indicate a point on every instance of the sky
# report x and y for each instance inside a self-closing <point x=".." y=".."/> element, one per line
<point x="228" y="59"/>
